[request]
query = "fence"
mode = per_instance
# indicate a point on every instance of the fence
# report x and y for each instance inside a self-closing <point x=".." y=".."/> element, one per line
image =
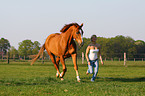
<point x="6" y="58"/>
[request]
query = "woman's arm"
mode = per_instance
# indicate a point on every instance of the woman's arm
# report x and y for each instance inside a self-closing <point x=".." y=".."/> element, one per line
<point x="86" y="55"/>
<point x="100" y="55"/>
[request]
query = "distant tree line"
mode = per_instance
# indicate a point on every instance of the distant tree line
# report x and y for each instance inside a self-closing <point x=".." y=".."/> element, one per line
<point x="110" y="47"/>
<point x="116" y="46"/>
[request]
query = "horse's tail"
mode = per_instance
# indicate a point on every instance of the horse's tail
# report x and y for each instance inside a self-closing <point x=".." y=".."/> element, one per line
<point x="40" y="52"/>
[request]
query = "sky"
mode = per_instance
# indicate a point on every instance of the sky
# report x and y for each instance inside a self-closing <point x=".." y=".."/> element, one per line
<point x="36" y="19"/>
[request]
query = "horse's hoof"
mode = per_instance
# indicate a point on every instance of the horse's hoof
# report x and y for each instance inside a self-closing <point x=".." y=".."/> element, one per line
<point x="61" y="79"/>
<point x="79" y="80"/>
<point x="57" y="75"/>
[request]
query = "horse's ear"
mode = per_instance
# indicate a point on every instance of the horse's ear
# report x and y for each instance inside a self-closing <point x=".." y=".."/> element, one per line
<point x="81" y="25"/>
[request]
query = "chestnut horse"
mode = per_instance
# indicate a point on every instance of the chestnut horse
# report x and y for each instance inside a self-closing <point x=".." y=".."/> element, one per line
<point x="63" y="46"/>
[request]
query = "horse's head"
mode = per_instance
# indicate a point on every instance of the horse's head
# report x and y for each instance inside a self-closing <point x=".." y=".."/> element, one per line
<point x="78" y="34"/>
<point x="76" y="31"/>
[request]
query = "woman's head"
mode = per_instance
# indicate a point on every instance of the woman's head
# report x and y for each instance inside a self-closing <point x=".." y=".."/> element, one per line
<point x="93" y="38"/>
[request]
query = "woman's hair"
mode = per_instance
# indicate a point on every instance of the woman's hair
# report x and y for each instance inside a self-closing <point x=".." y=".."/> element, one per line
<point x="93" y="36"/>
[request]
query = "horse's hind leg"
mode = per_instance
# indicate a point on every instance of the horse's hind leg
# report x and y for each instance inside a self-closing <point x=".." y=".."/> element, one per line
<point x="54" y="62"/>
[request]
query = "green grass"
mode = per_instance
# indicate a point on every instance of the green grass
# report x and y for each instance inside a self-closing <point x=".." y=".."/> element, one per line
<point x="114" y="79"/>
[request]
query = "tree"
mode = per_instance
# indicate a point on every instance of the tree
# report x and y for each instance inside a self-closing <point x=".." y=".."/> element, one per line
<point x="36" y="47"/>
<point x="131" y="47"/>
<point x="103" y="42"/>
<point x="25" y="48"/>
<point x="118" y="45"/>
<point x="140" y="47"/>
<point x="13" y="52"/>
<point x="4" y="45"/>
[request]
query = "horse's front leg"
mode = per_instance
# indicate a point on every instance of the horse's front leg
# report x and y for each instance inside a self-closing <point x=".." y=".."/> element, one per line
<point x="57" y="62"/>
<point x="64" y="67"/>
<point x="74" y="57"/>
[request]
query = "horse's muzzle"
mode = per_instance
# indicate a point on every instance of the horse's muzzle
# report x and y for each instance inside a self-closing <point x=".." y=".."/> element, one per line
<point x="81" y="44"/>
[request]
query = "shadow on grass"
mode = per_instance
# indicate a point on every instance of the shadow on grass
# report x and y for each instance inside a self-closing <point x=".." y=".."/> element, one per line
<point x="35" y="81"/>
<point x="139" y="79"/>
<point x="51" y="81"/>
<point x="102" y="79"/>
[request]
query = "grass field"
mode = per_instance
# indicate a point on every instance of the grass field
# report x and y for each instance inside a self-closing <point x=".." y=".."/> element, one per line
<point x="114" y="79"/>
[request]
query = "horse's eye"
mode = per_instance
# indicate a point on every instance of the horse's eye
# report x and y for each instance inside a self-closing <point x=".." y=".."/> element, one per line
<point x="77" y="32"/>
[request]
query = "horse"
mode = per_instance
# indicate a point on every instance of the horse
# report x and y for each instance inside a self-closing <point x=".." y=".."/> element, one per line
<point x="60" y="46"/>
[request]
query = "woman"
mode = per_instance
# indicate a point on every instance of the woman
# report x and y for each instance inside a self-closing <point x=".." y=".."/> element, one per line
<point x="92" y="52"/>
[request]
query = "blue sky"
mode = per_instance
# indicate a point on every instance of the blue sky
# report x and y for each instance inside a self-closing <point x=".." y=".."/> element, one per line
<point x="36" y="19"/>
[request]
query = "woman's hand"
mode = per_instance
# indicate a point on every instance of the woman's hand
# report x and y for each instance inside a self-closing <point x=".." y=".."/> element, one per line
<point x="102" y="63"/>
<point x="89" y="63"/>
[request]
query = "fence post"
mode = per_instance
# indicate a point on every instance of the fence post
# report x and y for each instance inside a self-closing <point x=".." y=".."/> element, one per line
<point x="2" y="55"/>
<point x="14" y="57"/>
<point x="42" y="59"/>
<point x="124" y="59"/>
<point x="7" y="57"/>
<point x="82" y="57"/>
<point x="111" y="59"/>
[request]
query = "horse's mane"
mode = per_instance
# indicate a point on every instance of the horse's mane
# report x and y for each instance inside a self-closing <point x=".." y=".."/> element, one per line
<point x="66" y="27"/>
